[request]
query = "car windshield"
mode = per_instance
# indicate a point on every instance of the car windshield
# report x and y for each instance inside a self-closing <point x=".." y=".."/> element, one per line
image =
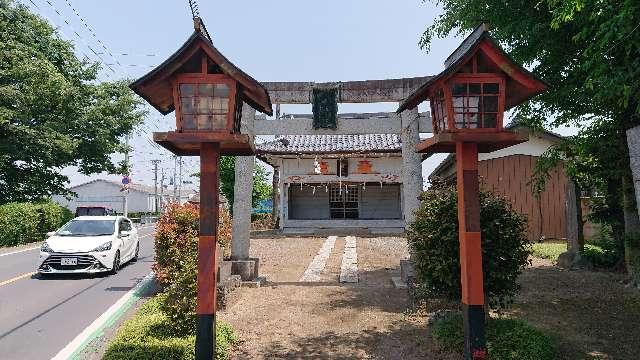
<point x="88" y="228"/>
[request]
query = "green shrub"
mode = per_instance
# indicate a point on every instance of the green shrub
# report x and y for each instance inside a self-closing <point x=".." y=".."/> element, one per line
<point x="176" y="265"/>
<point x="149" y="335"/>
<point x="433" y="238"/>
<point x="549" y="251"/>
<point x="23" y="223"/>
<point x="507" y="339"/>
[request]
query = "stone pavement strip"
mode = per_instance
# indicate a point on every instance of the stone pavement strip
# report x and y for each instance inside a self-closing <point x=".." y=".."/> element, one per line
<point x="349" y="268"/>
<point x="312" y="274"/>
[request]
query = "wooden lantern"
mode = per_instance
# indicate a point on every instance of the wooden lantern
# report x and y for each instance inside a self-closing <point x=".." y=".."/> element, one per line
<point x="468" y="100"/>
<point x="207" y="92"/>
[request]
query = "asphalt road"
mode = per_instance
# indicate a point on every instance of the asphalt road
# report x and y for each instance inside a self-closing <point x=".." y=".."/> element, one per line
<point x="39" y="317"/>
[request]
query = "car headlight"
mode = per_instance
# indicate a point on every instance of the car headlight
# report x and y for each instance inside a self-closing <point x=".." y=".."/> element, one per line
<point x="46" y="248"/>
<point x="104" y="247"/>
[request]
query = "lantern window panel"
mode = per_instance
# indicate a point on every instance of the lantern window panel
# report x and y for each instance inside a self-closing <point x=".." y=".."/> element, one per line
<point x="475" y="105"/>
<point x="439" y="111"/>
<point x="204" y="106"/>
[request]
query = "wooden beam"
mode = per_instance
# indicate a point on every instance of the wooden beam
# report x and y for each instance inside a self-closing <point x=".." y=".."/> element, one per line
<point x="351" y="126"/>
<point x="367" y="91"/>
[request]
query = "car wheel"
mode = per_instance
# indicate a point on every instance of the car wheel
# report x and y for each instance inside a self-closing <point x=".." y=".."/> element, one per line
<point x="116" y="263"/>
<point x="135" y="256"/>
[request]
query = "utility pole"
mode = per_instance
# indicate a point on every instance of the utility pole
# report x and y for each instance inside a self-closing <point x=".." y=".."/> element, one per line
<point x="180" y="177"/>
<point x="125" y="210"/>
<point x="155" y="184"/>
<point x="175" y="183"/>
<point x="162" y="187"/>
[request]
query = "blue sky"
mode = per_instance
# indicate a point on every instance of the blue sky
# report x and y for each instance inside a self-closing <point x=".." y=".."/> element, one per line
<point x="278" y="40"/>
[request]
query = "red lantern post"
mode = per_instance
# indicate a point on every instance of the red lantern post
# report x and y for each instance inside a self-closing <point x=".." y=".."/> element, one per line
<point x="207" y="92"/>
<point x="468" y="100"/>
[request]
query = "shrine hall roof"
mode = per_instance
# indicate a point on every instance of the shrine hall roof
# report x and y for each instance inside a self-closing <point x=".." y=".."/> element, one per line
<point x="331" y="144"/>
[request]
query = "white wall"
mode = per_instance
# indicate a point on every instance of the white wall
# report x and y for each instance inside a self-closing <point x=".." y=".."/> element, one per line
<point x="381" y="166"/>
<point x="104" y="193"/>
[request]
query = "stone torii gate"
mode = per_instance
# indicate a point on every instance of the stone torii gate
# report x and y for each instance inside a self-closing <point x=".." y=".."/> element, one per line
<point x="409" y="124"/>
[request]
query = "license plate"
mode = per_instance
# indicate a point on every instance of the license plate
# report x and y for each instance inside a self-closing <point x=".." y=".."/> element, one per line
<point x="69" y="261"/>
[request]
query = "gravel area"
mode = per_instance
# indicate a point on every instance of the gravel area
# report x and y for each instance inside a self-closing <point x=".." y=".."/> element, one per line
<point x="288" y="319"/>
<point x="591" y="314"/>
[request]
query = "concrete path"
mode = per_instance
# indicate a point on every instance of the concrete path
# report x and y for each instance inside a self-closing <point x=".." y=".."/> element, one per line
<point x="39" y="317"/>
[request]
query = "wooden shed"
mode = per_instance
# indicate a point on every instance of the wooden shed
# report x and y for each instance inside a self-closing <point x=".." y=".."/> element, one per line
<point x="509" y="171"/>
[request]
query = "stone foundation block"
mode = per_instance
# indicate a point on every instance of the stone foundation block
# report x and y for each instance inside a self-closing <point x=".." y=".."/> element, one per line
<point x="224" y="271"/>
<point x="407" y="272"/>
<point x="247" y="269"/>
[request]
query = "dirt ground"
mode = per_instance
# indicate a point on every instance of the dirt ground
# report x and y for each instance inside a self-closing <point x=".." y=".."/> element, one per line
<point x="590" y="313"/>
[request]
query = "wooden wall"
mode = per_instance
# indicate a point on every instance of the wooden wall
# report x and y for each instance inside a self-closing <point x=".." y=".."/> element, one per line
<point x="510" y="175"/>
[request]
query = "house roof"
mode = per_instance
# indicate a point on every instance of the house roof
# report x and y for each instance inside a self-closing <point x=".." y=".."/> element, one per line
<point x="132" y="187"/>
<point x="331" y="144"/>
<point x="450" y="159"/>
<point x="521" y="86"/>
<point x="156" y="88"/>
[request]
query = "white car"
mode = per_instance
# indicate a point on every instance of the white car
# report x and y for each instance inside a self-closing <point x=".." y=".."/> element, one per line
<point x="89" y="244"/>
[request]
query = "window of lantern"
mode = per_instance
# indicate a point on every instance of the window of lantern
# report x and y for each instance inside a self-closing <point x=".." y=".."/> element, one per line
<point x="439" y="111"/>
<point x="477" y="103"/>
<point x="206" y="103"/>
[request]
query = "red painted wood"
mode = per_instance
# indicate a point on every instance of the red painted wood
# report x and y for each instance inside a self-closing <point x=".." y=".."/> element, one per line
<point x="469" y="224"/>
<point x="209" y="192"/>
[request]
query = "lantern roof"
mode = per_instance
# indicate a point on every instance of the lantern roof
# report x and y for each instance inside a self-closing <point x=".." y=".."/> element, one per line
<point x="156" y="87"/>
<point x="521" y="84"/>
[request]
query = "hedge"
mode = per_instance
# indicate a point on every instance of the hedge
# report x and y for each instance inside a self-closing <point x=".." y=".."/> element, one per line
<point x="433" y="238"/>
<point x="150" y="335"/>
<point x="507" y="339"/>
<point x="23" y="223"/>
<point x="176" y="261"/>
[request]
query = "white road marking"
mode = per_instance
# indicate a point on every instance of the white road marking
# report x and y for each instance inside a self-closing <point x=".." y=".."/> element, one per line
<point x="349" y="267"/>
<point x="20" y="251"/>
<point x="108" y="317"/>
<point x="320" y="261"/>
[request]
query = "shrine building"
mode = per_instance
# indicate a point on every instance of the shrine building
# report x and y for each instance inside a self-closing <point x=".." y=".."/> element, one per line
<point x="351" y="182"/>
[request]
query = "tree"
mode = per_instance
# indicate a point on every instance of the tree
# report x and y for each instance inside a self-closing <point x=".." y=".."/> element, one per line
<point x="53" y="111"/>
<point x="261" y="188"/>
<point x="589" y="53"/>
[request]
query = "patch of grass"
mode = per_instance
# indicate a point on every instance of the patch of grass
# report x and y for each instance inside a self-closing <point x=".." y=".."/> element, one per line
<point x="507" y="339"/>
<point x="148" y="335"/>
<point x="549" y="251"/>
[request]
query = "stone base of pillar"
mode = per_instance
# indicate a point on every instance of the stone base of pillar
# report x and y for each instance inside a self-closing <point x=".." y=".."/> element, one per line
<point x="246" y="269"/>
<point x="407" y="272"/>
<point x="572" y="260"/>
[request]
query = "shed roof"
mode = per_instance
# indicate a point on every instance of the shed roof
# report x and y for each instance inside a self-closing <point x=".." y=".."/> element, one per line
<point x="156" y="87"/>
<point x="449" y="161"/>
<point x="522" y="85"/>
<point x="331" y="144"/>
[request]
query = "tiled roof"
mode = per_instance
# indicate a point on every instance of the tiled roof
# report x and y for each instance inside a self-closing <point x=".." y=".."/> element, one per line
<point x="330" y="144"/>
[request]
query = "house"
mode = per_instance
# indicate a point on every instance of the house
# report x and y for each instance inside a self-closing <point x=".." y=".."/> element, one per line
<point x="101" y="192"/>
<point x="337" y="182"/>
<point x="509" y="171"/>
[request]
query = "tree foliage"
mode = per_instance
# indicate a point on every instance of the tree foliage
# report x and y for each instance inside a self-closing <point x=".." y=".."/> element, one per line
<point x="53" y="111"/>
<point x="433" y="238"/>
<point x="261" y="187"/>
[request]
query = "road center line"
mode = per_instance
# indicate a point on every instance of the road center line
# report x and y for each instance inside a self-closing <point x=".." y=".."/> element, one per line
<point x="320" y="261"/>
<point x="10" y="281"/>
